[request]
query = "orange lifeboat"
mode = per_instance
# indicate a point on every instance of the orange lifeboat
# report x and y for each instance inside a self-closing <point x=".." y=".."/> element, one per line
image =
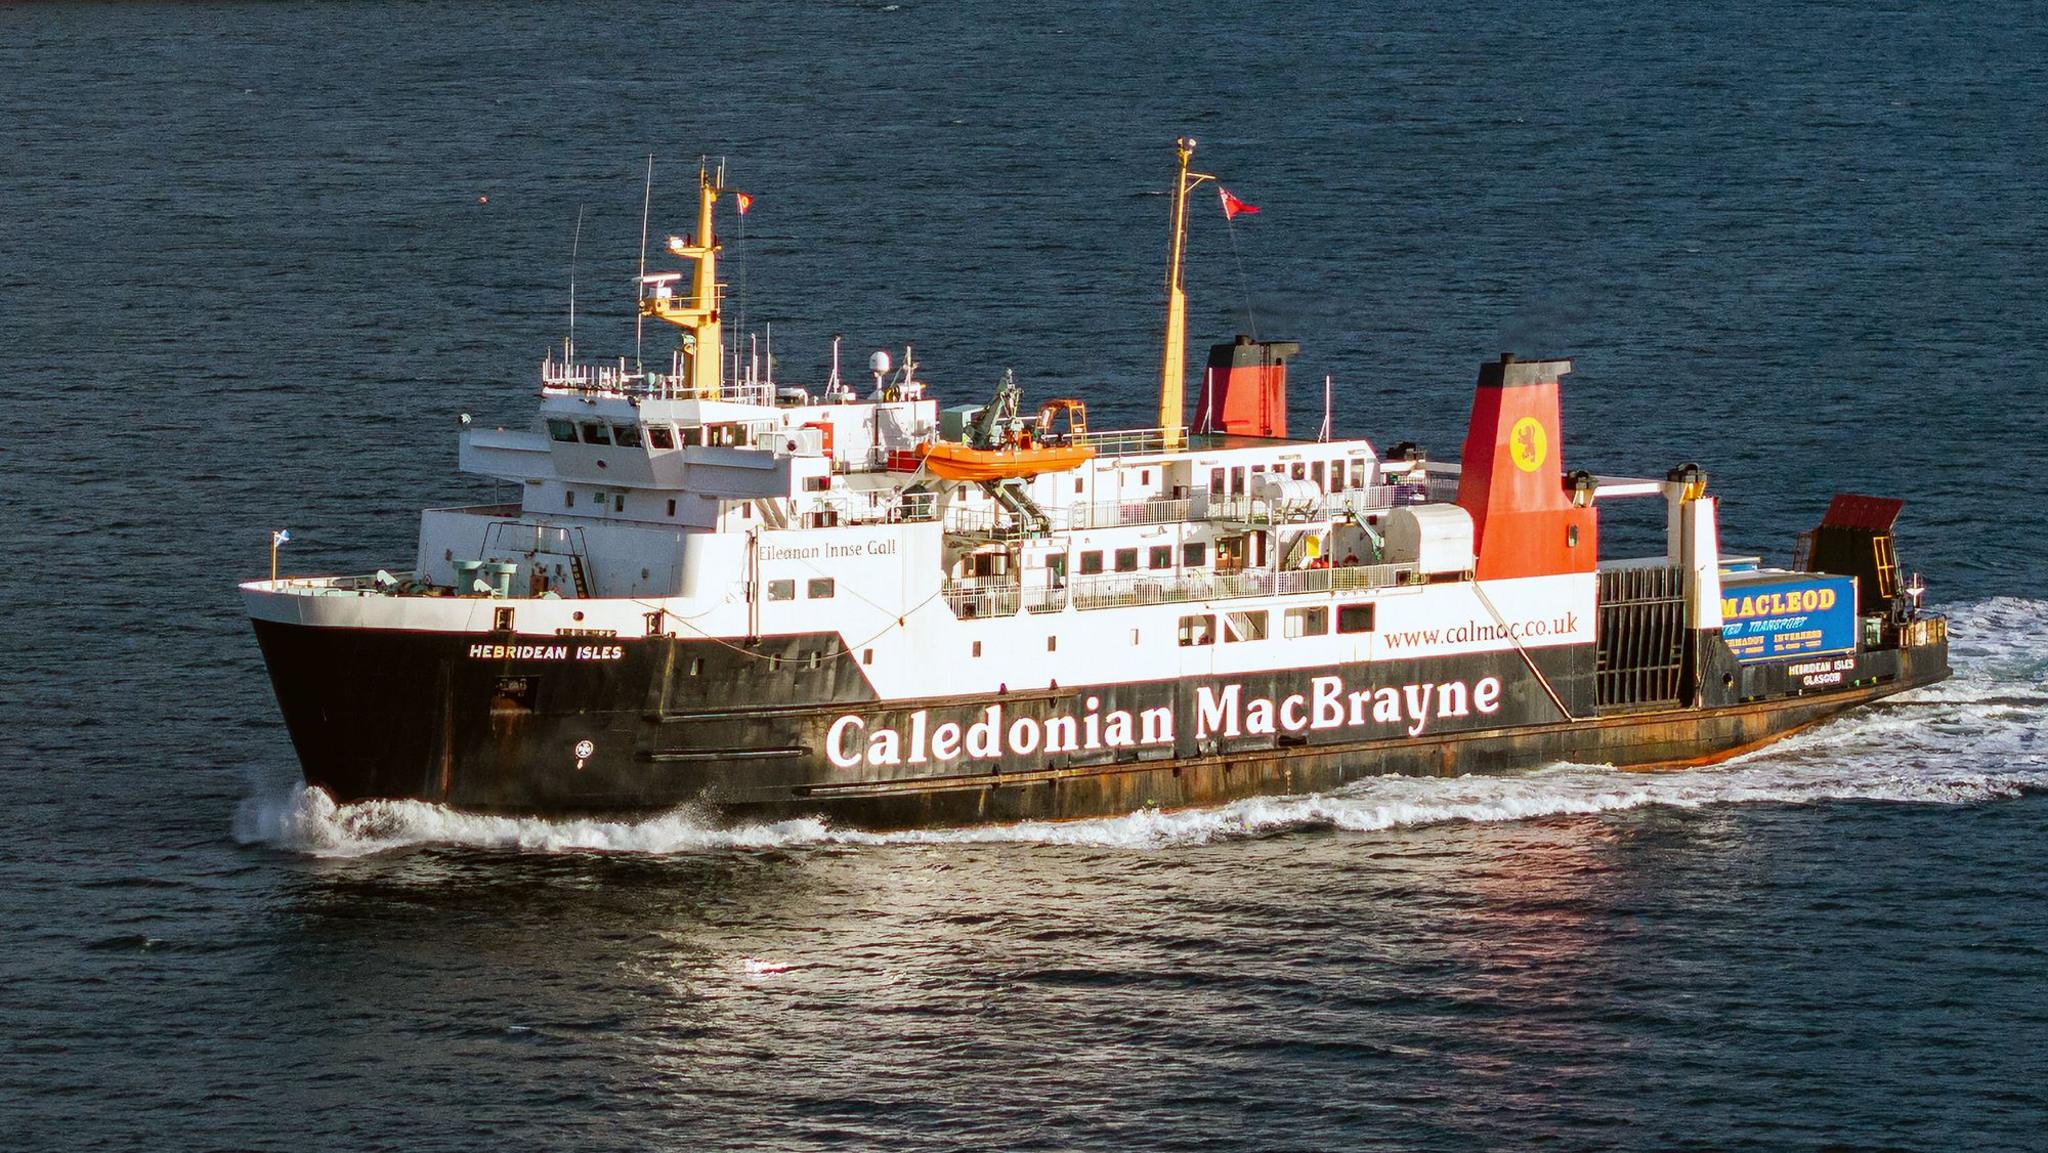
<point x="952" y="461"/>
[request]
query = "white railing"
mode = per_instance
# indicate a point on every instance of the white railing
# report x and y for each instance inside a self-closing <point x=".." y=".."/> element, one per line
<point x="1125" y="442"/>
<point x="572" y="377"/>
<point x="982" y="597"/>
<point x="1147" y="589"/>
<point x="1157" y="511"/>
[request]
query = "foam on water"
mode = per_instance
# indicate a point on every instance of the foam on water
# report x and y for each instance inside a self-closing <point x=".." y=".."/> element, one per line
<point x="1974" y="738"/>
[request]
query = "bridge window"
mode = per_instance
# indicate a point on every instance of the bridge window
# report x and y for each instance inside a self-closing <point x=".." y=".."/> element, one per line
<point x="661" y="436"/>
<point x="1127" y="560"/>
<point x="1161" y="556"/>
<point x="782" y="590"/>
<point x="1197" y="630"/>
<point x="626" y="435"/>
<point x="820" y="588"/>
<point x="692" y="436"/>
<point x="1091" y="562"/>
<point x="1315" y="473"/>
<point x="563" y="431"/>
<point x="594" y="433"/>
<point x="1309" y="622"/>
<point x="1216" y="481"/>
<point x="1355" y="619"/>
<point x="1237" y="482"/>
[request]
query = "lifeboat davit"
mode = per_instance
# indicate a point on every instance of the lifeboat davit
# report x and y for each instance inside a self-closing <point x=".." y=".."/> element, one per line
<point x="952" y="461"/>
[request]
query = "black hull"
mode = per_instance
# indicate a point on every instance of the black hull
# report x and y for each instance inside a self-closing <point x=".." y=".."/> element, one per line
<point x="563" y="725"/>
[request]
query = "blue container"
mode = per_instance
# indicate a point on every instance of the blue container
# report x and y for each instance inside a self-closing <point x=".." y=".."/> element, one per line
<point x="1770" y="616"/>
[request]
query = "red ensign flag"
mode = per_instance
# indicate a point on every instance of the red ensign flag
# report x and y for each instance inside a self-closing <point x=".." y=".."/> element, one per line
<point x="747" y="202"/>
<point x="1232" y="206"/>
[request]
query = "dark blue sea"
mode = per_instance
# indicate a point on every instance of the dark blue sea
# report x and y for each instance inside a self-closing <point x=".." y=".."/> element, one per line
<point x="256" y="258"/>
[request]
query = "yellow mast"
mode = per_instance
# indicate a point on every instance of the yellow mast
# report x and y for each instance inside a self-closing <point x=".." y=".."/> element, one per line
<point x="1173" y="384"/>
<point x="703" y="336"/>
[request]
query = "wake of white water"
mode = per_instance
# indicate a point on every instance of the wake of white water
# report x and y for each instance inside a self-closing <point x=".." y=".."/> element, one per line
<point x="1977" y="737"/>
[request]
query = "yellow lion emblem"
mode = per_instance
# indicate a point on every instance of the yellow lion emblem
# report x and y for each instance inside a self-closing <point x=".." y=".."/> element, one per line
<point x="1528" y="444"/>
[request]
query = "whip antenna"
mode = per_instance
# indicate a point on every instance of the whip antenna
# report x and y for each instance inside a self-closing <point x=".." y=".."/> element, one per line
<point x="569" y="348"/>
<point x="640" y="292"/>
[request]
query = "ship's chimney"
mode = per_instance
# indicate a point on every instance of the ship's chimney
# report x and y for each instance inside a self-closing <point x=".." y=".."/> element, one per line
<point x="1524" y="522"/>
<point x="1244" y="389"/>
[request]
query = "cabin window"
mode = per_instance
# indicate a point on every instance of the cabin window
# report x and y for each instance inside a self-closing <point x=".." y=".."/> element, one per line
<point x="820" y="588"/>
<point x="1310" y="622"/>
<point x="1052" y="644"/>
<point x="1361" y="473"/>
<point x="661" y="436"/>
<point x="671" y="506"/>
<point x="692" y="436"/>
<point x="1197" y="630"/>
<point x="782" y="590"/>
<point x="1127" y="560"/>
<point x="619" y="502"/>
<point x="1194" y="554"/>
<point x="1144" y="476"/>
<point x="1216" y="481"/>
<point x="1237" y="482"/>
<point x="1244" y="626"/>
<point x="1299" y="471"/>
<point x="562" y="430"/>
<point x="1161" y="556"/>
<point x="594" y="433"/>
<point x="626" y="435"/>
<point x="1091" y="562"/>
<point x="1355" y="618"/>
<point x="867" y="656"/>
<point x="1077" y="486"/>
<point x="977" y="650"/>
<point x="568" y="498"/>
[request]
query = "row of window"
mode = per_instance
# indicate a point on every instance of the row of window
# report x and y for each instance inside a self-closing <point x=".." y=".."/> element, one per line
<point x="658" y="435"/>
<point x="1203" y="628"/>
<point x="1330" y="476"/>
<point x="1192" y="555"/>
<point x="817" y="589"/>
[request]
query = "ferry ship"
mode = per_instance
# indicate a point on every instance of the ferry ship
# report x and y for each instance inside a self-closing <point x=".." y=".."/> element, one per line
<point x="851" y="602"/>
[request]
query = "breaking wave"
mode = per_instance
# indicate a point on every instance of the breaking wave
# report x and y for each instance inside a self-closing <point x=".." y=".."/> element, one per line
<point x="1977" y="737"/>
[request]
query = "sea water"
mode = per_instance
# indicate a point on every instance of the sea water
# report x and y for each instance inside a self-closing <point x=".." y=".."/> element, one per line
<point x="259" y="258"/>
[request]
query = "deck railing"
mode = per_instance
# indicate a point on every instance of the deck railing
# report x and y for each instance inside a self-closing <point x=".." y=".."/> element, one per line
<point x="982" y="597"/>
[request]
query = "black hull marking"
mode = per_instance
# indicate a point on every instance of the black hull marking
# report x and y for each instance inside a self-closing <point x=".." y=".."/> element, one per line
<point x="387" y="715"/>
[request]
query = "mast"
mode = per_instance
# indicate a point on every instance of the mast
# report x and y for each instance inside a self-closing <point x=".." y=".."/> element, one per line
<point x="703" y="334"/>
<point x="1173" y="364"/>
